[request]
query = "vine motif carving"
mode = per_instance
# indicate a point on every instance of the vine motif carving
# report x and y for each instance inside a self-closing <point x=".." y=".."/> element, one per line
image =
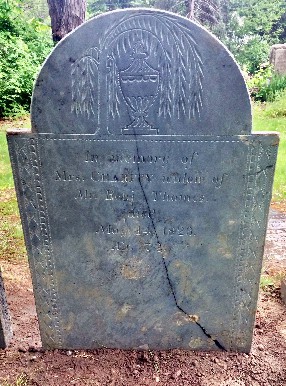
<point x="38" y="240"/>
<point x="259" y="176"/>
<point x="143" y="60"/>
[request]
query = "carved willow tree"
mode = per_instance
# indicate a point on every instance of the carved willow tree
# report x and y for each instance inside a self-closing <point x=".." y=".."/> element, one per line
<point x="65" y="15"/>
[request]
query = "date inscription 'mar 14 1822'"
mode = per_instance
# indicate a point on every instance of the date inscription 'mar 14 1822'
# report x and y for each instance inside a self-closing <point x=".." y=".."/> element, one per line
<point x="143" y="193"/>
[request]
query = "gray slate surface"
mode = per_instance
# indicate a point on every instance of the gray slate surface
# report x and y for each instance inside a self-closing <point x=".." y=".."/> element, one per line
<point x="5" y="320"/>
<point x="200" y="89"/>
<point x="143" y="194"/>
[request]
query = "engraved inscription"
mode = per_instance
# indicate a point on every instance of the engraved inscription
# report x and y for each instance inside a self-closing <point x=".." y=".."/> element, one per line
<point x="150" y="211"/>
<point x="143" y="204"/>
<point x="179" y="231"/>
<point x="117" y="178"/>
<point x="164" y="196"/>
<point x="129" y="175"/>
<point x="106" y="229"/>
<point x="124" y="178"/>
<point x="65" y="176"/>
<point x="127" y="158"/>
<point x="86" y="194"/>
<point x="140" y="214"/>
<point x="119" y="246"/>
<point x="113" y="196"/>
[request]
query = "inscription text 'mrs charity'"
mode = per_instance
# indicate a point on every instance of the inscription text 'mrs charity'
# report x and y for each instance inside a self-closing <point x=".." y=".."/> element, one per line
<point x="137" y="184"/>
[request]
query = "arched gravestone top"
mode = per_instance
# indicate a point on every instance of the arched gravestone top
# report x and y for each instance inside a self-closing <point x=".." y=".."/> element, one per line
<point x="152" y="240"/>
<point x="143" y="72"/>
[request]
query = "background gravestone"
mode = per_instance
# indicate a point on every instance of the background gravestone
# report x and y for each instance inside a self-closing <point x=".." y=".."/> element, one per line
<point x="5" y="321"/>
<point x="143" y="194"/>
<point x="278" y="58"/>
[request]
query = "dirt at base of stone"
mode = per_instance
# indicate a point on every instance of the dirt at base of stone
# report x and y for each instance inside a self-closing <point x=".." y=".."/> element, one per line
<point x="24" y="359"/>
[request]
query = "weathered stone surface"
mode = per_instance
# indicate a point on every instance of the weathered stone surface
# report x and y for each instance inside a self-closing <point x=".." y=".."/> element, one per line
<point x="143" y="194"/>
<point x="283" y="290"/>
<point x="278" y="58"/>
<point x="189" y="79"/>
<point x="5" y="320"/>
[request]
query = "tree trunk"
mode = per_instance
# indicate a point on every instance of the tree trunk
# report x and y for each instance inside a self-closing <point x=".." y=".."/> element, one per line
<point x="65" y="15"/>
<point x="190" y="4"/>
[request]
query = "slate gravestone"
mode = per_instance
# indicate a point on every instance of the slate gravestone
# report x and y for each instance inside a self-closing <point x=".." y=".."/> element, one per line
<point x="143" y="194"/>
<point x="5" y="320"/>
<point x="278" y="58"/>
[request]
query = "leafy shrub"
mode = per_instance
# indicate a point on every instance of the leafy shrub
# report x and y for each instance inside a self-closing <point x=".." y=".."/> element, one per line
<point x="251" y="53"/>
<point x="266" y="86"/>
<point x="16" y="76"/>
<point x="24" y="44"/>
<point x="277" y="108"/>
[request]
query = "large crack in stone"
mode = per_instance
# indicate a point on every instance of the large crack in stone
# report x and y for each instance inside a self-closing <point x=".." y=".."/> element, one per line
<point x="190" y="317"/>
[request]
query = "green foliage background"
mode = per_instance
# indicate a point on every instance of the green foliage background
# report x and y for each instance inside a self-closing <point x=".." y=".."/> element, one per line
<point x="271" y="116"/>
<point x="251" y="27"/>
<point x="24" y="44"/>
<point x="247" y="27"/>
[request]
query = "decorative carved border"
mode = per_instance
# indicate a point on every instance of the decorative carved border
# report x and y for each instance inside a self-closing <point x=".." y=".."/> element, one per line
<point x="259" y="172"/>
<point x="259" y="177"/>
<point x="32" y="205"/>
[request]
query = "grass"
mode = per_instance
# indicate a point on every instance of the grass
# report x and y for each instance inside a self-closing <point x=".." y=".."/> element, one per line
<point x="22" y="380"/>
<point x="272" y="117"/>
<point x="271" y="282"/>
<point x="11" y="235"/>
<point x="266" y="281"/>
<point x="6" y="179"/>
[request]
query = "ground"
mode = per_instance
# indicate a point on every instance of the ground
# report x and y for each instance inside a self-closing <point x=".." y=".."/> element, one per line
<point x="25" y="363"/>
